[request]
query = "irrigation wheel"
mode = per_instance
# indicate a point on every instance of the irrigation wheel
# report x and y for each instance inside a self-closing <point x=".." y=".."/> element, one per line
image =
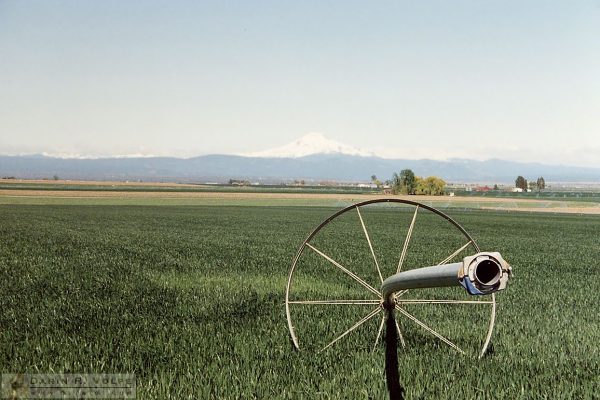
<point x="333" y="289"/>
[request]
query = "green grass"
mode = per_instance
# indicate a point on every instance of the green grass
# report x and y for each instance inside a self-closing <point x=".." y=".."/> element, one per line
<point x="190" y="298"/>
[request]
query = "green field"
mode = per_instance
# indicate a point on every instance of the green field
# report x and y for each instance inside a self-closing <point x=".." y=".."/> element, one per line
<point x="191" y="300"/>
<point x="589" y="195"/>
<point x="181" y="188"/>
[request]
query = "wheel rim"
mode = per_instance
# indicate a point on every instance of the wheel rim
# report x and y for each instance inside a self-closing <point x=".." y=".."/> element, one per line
<point x="372" y="302"/>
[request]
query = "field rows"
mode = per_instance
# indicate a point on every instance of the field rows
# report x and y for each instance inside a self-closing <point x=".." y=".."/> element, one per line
<point x="116" y="197"/>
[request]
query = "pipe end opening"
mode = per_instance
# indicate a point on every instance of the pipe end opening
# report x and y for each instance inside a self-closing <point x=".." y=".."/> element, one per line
<point x="488" y="272"/>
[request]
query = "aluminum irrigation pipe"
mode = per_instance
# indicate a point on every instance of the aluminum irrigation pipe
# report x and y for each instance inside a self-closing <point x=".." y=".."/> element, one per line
<point x="482" y="273"/>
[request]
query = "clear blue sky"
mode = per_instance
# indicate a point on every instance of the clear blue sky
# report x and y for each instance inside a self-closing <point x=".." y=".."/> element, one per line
<point x="506" y="79"/>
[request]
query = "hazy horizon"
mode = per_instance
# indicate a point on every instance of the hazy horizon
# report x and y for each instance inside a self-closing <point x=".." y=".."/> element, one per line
<point x="265" y="154"/>
<point x="510" y="80"/>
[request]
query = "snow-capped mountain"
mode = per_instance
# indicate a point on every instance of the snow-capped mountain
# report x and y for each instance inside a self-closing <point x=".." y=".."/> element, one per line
<point x="309" y="144"/>
<point x="313" y="157"/>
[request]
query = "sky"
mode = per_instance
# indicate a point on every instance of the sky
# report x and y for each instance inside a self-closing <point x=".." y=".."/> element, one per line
<point x="516" y="80"/>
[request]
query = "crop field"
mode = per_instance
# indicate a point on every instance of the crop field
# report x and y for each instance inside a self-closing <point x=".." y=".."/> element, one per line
<point x="190" y="298"/>
<point x="108" y="186"/>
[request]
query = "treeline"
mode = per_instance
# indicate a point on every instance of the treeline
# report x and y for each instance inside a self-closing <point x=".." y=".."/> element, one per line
<point x="406" y="182"/>
<point x="522" y="183"/>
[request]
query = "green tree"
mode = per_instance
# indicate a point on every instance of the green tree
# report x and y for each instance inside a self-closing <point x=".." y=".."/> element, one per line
<point x="432" y="185"/>
<point x="437" y="185"/>
<point x="396" y="184"/>
<point x="404" y="183"/>
<point x="521" y="183"/>
<point x="541" y="183"/>
<point x="420" y="186"/>
<point x="496" y="187"/>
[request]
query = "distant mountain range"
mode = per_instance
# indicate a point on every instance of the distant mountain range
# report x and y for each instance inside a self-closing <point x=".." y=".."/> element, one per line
<point x="313" y="158"/>
<point x="340" y="167"/>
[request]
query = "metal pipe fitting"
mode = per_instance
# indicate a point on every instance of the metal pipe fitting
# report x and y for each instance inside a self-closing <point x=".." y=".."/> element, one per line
<point x="482" y="273"/>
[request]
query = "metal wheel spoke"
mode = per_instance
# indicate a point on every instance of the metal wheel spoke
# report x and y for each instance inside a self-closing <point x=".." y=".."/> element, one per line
<point x="407" y="240"/>
<point x="344" y="269"/>
<point x="428" y="329"/>
<point x="344" y="302"/>
<point x="490" y="328"/>
<point x="400" y="334"/>
<point x="427" y="301"/>
<point x="379" y="332"/>
<point x="353" y="327"/>
<point x="457" y="252"/>
<point x="370" y="245"/>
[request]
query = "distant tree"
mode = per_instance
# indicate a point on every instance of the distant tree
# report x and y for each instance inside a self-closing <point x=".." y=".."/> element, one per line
<point x="395" y="183"/>
<point x="541" y="183"/>
<point x="242" y="182"/>
<point x="376" y="181"/>
<point x="521" y="183"/>
<point x="432" y="185"/>
<point x="496" y="187"/>
<point x="420" y="186"/>
<point x="532" y="185"/>
<point x="408" y="180"/>
<point x="404" y="183"/>
<point x="55" y="177"/>
<point x="438" y="186"/>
